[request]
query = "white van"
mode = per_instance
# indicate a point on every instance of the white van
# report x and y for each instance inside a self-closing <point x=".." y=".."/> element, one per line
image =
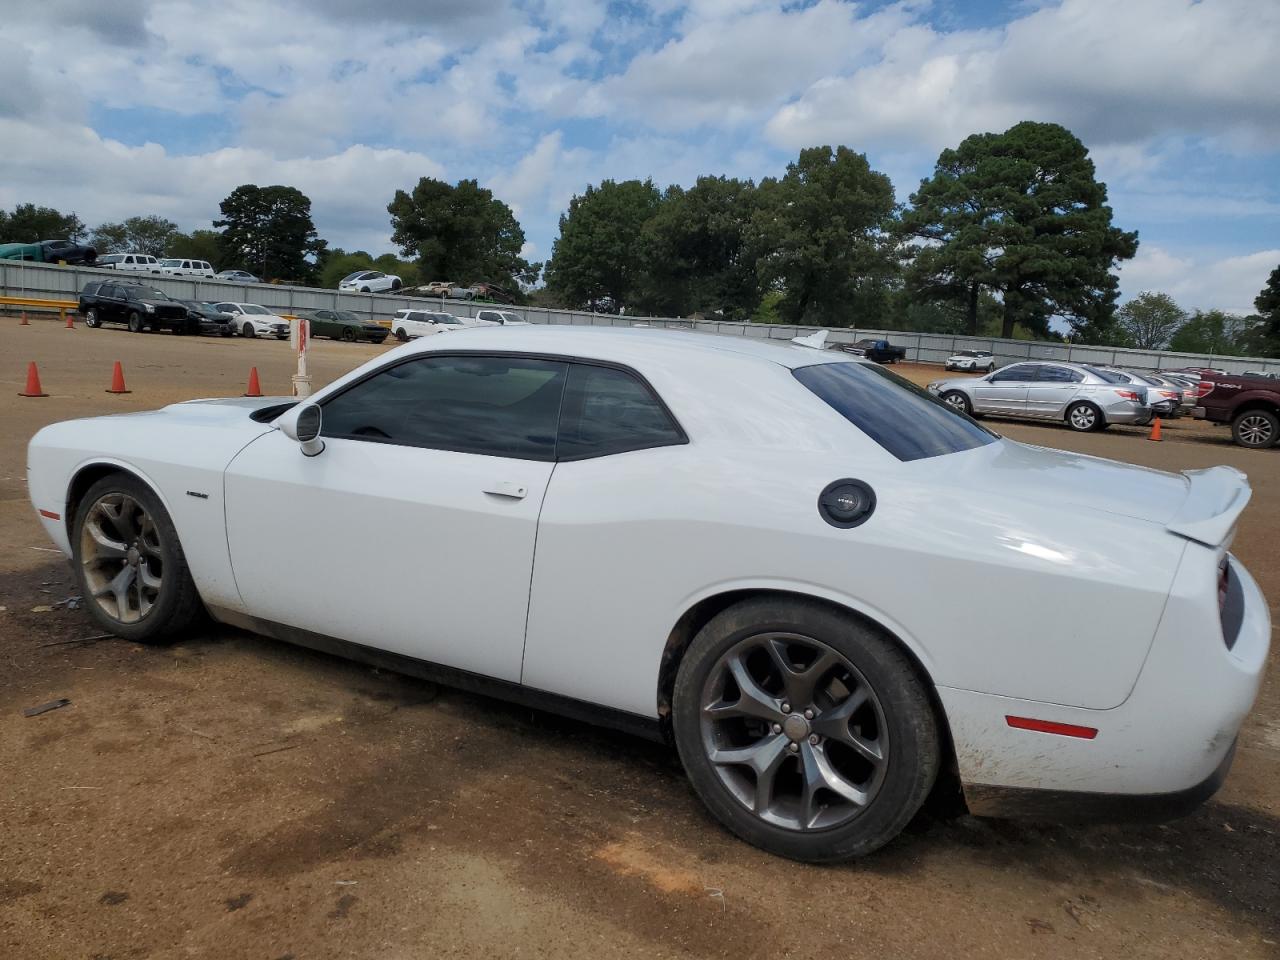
<point x="138" y="262"/>
<point x="187" y="268"/>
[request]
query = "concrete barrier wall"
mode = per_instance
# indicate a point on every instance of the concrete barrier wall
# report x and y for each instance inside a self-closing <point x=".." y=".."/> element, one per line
<point x="51" y="281"/>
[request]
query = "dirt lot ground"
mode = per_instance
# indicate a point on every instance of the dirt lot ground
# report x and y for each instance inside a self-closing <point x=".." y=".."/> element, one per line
<point x="233" y="797"/>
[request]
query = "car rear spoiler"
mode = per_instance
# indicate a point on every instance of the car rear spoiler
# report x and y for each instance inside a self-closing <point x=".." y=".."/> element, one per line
<point x="1215" y="499"/>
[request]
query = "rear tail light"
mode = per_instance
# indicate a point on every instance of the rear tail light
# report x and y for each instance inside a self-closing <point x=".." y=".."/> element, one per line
<point x="1204" y="388"/>
<point x="1168" y="395"/>
<point x="1128" y="395"/>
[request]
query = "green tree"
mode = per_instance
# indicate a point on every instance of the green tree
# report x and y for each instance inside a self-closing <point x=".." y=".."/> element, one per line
<point x="600" y="251"/>
<point x="696" y="257"/>
<point x="820" y="234"/>
<point x="268" y="231"/>
<point x="1215" y="332"/>
<point x="460" y="233"/>
<point x="150" y="235"/>
<point x="199" y="245"/>
<point x="1150" y="320"/>
<point x="29" y="223"/>
<point x="1267" y="304"/>
<point x="1021" y="214"/>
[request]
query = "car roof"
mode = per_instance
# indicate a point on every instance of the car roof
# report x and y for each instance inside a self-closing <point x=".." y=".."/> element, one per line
<point x="628" y="344"/>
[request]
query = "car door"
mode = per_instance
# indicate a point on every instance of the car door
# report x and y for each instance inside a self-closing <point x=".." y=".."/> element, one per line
<point x="617" y="445"/>
<point x="111" y="303"/>
<point x="413" y="530"/>
<point x="1051" y="391"/>
<point x="322" y="324"/>
<point x="1004" y="391"/>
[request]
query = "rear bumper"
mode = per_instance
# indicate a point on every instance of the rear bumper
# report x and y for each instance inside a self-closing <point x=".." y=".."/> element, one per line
<point x="1161" y="751"/>
<point x="1067" y="806"/>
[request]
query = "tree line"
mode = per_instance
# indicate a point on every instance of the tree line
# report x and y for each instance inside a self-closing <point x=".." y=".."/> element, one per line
<point x="1010" y="231"/>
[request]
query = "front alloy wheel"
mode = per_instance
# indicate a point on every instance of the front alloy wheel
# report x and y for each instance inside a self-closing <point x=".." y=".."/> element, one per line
<point x="1256" y="428"/>
<point x="121" y="554"/>
<point x="91" y="318"/>
<point x="247" y="330"/>
<point x="805" y="731"/>
<point x="957" y="401"/>
<point x="129" y="564"/>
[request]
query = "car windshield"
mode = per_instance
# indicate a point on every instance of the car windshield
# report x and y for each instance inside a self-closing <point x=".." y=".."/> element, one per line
<point x="901" y="417"/>
<point x="111" y="258"/>
<point x="346" y="316"/>
<point x="170" y="263"/>
<point x="354" y="276"/>
<point x="146" y="293"/>
<point x="444" y="318"/>
<point x="967" y="353"/>
<point x="255" y="309"/>
<point x="1108" y="375"/>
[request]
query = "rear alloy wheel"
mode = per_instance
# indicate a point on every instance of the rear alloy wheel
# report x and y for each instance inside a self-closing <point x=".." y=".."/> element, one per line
<point x="91" y="318"/>
<point x="1258" y="429"/>
<point x="135" y="322"/>
<point x="1084" y="417"/>
<point x="247" y="330"/>
<point x="129" y="564"/>
<point x="805" y="732"/>
<point x="348" y="334"/>
<point x="958" y="401"/>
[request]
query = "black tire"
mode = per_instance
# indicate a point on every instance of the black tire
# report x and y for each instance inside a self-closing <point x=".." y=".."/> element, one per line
<point x="401" y="335"/>
<point x="247" y="330"/>
<point x="364" y="290"/>
<point x="177" y="606"/>
<point x="910" y="751"/>
<point x="395" y="284"/>
<point x="135" y="322"/>
<point x="1256" y="428"/>
<point x="348" y="335"/>
<point x="91" y="318"/>
<point x="959" y="400"/>
<point x="1085" y="417"/>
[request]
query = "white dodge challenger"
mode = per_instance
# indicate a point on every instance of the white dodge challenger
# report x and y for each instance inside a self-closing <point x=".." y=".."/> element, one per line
<point x="833" y="593"/>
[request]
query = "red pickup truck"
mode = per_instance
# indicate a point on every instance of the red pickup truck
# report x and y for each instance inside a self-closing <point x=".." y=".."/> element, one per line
<point x="1250" y="404"/>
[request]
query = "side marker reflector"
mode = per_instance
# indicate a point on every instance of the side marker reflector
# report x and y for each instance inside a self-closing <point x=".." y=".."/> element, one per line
<point x="50" y="514"/>
<point x="1048" y="726"/>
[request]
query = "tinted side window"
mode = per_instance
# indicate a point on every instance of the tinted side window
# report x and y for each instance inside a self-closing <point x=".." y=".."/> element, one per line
<point x="1019" y="373"/>
<point x="895" y="413"/>
<point x="1059" y="375"/>
<point x="610" y="411"/>
<point x="498" y="406"/>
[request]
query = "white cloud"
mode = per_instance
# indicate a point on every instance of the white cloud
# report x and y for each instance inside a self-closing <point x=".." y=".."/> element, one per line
<point x="1114" y="73"/>
<point x="1200" y="282"/>
<point x="349" y="188"/>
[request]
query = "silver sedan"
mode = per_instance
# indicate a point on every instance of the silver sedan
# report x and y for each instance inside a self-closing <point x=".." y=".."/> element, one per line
<point x="1083" y="397"/>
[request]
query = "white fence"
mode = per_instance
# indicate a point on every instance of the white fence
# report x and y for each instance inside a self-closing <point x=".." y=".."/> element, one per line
<point x="45" y="280"/>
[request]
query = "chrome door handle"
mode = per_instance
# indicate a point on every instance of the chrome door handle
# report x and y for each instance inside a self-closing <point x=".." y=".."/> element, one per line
<point x="507" y="488"/>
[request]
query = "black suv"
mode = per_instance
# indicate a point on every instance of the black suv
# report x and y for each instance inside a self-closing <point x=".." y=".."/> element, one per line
<point x="140" y="306"/>
<point x="67" y="252"/>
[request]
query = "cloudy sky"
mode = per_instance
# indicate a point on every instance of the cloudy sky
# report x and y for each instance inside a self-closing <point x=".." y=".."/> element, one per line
<point x="164" y="106"/>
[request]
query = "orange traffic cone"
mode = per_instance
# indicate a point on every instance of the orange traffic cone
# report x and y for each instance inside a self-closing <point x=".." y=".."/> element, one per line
<point x="255" y="390"/>
<point x="24" y="322"/>
<point x="1155" y="430"/>
<point x="70" y="322"/>
<point x="33" y="383"/>
<point x="117" y="380"/>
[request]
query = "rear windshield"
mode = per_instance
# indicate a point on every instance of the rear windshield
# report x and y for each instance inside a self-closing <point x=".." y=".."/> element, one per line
<point x="895" y="413"/>
<point x="1107" y="375"/>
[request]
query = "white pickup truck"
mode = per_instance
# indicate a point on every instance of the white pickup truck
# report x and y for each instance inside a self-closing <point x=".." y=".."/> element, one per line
<point x="408" y="324"/>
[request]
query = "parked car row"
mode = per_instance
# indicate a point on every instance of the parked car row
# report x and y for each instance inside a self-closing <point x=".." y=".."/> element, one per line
<point x="142" y="307"/>
<point x="1087" y="397"/>
<point x="409" y="324"/>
